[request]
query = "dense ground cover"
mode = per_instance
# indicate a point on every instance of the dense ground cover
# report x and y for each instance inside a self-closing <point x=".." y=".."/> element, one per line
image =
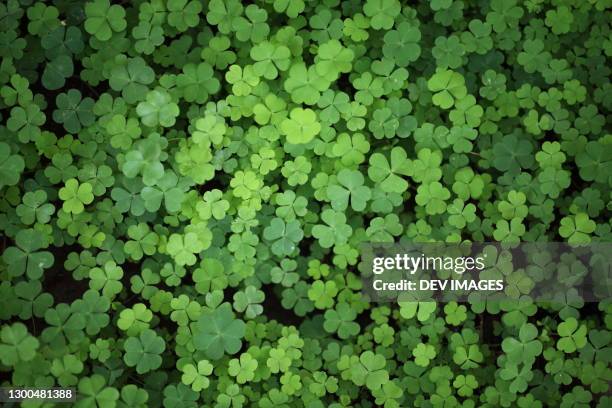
<point x="184" y="186"/>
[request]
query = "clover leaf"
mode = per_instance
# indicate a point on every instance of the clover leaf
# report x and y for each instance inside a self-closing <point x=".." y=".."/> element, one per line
<point x="301" y="126"/>
<point x="104" y="18"/>
<point x="573" y="336"/>
<point x="449" y="86"/>
<point x="183" y="247"/>
<point x="158" y="109"/>
<point x="73" y="111"/>
<point x="16" y="344"/>
<point x="25" y="257"/>
<point x="335" y="231"/>
<point x="423" y="354"/>
<point x="131" y="78"/>
<point x="387" y="172"/>
<point x="11" y="166"/>
<point x="402" y="44"/>
<point x="196" y="377"/>
<point x="76" y="196"/>
<point x="218" y="332"/>
<point x="143" y="352"/>
<point x="350" y="188"/>
<point x="286" y="236"/>
<point x="381" y="12"/>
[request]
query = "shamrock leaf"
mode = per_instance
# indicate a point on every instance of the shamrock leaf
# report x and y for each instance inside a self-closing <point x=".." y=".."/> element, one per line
<point x="131" y="77"/>
<point x="103" y="19"/>
<point x="217" y="332"/>
<point x="332" y="59"/>
<point x="146" y="159"/>
<point x="197" y="83"/>
<point x="56" y="71"/>
<point x="169" y="189"/>
<point x="269" y="59"/>
<point x="34" y="208"/>
<point x="243" y="369"/>
<point x="301" y="126"/>
<point x="143" y="241"/>
<point x="183" y="247"/>
<point x="94" y="392"/>
<point x="243" y="80"/>
<point x="26" y="257"/>
<point x="449" y="86"/>
<point x="16" y="344"/>
<point x="382" y="13"/>
<point x="107" y="280"/>
<point x="402" y="44"/>
<point x="559" y="20"/>
<point x="184" y="14"/>
<point x="387" y="173"/>
<point x="524" y="349"/>
<point x="72" y="111"/>
<point x="340" y="320"/>
<point x="62" y="41"/>
<point x="248" y="301"/>
<point x="350" y="188"/>
<point x="123" y="131"/>
<point x="143" y="352"/>
<point x="423" y="354"/>
<point x="26" y="122"/>
<point x="335" y="231"/>
<point x="11" y="166"/>
<point x="158" y="109"/>
<point x="286" y="236"/>
<point x="76" y="196"/>
<point x="370" y="370"/>
<point x="573" y="337"/>
<point x="433" y="197"/>
<point x="577" y="228"/>
<point x="196" y="377"/>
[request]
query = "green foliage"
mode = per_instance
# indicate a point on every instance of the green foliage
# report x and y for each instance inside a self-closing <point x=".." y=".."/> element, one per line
<point x="144" y="351"/>
<point x="103" y="19"/>
<point x="185" y="187"/>
<point x="11" y="166"/>
<point x="75" y="196"/>
<point x="218" y="332"/>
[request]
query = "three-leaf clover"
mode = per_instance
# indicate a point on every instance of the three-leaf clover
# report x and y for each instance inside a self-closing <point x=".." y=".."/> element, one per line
<point x="577" y="228"/>
<point x="350" y="188"/>
<point x="340" y="320"/>
<point x="573" y="335"/>
<point x="449" y="86"/>
<point x="218" y="332"/>
<point x="196" y="376"/>
<point x="402" y="44"/>
<point x="370" y="370"/>
<point x="16" y="344"/>
<point x="285" y="236"/>
<point x="107" y="280"/>
<point x="387" y="173"/>
<point x="301" y="126"/>
<point x="76" y="196"/>
<point x="103" y="19"/>
<point x="143" y="352"/>
<point x="11" y="166"/>
<point x="243" y="369"/>
<point x="73" y="111"/>
<point x="158" y="109"/>
<point x="183" y="247"/>
<point x="423" y="354"/>
<point x="335" y="231"/>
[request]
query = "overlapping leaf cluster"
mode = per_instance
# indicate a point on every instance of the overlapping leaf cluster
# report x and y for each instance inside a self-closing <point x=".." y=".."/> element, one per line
<point x="185" y="185"/>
